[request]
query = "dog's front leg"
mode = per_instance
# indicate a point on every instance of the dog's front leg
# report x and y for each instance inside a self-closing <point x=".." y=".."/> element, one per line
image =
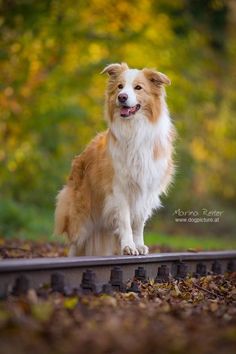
<point x="137" y="227"/>
<point x="125" y="231"/>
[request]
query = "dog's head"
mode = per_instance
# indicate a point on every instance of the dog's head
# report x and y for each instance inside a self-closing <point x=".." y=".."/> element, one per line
<point x="132" y="91"/>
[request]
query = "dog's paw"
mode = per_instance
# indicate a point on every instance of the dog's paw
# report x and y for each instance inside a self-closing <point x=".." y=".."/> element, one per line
<point x="130" y="250"/>
<point x="142" y="249"/>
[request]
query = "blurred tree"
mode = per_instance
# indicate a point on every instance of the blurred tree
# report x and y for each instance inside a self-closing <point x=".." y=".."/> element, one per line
<point x="51" y="98"/>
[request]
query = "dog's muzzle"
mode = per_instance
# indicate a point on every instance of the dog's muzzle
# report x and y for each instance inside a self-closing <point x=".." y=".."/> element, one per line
<point x="126" y="111"/>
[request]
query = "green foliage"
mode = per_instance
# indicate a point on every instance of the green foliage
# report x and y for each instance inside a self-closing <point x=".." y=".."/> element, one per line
<point x="11" y="218"/>
<point x="24" y="220"/>
<point x="186" y="242"/>
<point x="51" y="98"/>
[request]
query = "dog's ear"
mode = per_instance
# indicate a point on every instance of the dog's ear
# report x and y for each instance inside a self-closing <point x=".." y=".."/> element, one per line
<point x="156" y="77"/>
<point x="115" y="69"/>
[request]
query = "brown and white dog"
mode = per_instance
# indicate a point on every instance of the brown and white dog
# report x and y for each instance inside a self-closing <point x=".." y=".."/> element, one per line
<point x="115" y="184"/>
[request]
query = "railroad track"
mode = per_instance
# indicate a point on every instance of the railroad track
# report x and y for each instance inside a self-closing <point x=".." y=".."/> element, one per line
<point x="106" y="274"/>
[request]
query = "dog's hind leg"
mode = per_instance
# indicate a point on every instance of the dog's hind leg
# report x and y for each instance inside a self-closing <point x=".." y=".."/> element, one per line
<point x="72" y="250"/>
<point x="62" y="211"/>
<point x="79" y="233"/>
<point x="76" y="251"/>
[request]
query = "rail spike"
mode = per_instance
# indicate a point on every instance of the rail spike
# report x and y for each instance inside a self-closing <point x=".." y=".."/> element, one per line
<point x="163" y="274"/>
<point x="216" y="267"/>
<point x="58" y="282"/>
<point x="201" y="270"/>
<point x="181" y="271"/>
<point x="140" y="274"/>
<point x="116" y="279"/>
<point x="231" y="266"/>
<point x="107" y="289"/>
<point x="88" y="284"/>
<point x="21" y="285"/>
<point x="134" y="288"/>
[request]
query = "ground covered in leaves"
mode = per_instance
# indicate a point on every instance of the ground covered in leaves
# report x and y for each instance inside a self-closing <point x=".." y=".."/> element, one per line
<point x="19" y="248"/>
<point x="186" y="316"/>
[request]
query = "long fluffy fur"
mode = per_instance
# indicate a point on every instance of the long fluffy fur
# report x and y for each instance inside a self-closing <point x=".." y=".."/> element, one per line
<point x="115" y="184"/>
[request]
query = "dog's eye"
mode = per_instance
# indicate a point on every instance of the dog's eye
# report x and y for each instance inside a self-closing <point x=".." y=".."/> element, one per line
<point x="120" y="86"/>
<point x="138" y="87"/>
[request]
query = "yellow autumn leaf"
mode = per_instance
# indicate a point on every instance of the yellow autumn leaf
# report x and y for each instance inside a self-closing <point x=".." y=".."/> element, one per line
<point x="42" y="311"/>
<point x="70" y="303"/>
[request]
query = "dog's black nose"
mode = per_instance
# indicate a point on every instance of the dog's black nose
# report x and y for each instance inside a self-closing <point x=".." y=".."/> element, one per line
<point x="122" y="97"/>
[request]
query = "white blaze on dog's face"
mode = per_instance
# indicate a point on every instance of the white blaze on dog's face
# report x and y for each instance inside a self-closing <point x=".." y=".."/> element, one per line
<point x="126" y="98"/>
<point x="131" y="91"/>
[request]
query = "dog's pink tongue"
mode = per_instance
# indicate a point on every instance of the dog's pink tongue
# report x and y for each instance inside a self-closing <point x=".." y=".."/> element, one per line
<point x="127" y="111"/>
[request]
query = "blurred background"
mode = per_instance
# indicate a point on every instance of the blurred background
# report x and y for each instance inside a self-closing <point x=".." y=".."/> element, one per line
<point x="52" y="98"/>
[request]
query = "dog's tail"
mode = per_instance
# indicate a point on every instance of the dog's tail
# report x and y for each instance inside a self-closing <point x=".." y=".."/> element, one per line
<point x="62" y="212"/>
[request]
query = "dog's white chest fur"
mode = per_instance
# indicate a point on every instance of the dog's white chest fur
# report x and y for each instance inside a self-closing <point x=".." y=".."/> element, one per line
<point x="138" y="175"/>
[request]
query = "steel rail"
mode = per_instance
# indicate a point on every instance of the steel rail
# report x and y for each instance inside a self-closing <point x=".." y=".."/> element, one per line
<point x="108" y="273"/>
